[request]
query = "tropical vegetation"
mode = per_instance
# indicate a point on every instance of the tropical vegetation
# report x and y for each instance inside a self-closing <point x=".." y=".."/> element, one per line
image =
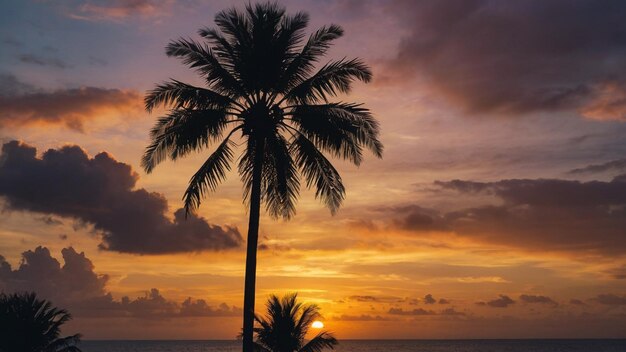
<point x="29" y="324"/>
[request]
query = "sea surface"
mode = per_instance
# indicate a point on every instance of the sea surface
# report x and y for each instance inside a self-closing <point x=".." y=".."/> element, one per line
<point x="374" y="346"/>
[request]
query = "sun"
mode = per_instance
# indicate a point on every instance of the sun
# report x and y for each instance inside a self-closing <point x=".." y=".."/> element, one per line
<point x="317" y="324"/>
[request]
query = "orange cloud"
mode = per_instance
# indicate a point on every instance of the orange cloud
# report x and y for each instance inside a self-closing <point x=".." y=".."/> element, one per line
<point x="608" y="103"/>
<point x="68" y="107"/>
<point x="119" y="9"/>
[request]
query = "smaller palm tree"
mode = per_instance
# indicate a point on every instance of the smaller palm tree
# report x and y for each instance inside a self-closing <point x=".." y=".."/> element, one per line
<point x="28" y="324"/>
<point x="286" y="325"/>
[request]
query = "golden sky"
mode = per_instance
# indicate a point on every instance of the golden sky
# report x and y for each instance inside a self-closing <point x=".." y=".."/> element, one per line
<point x="497" y="211"/>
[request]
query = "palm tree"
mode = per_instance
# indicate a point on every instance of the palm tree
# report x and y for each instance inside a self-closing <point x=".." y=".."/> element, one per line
<point x="261" y="81"/>
<point x="28" y="324"/>
<point x="286" y="325"/>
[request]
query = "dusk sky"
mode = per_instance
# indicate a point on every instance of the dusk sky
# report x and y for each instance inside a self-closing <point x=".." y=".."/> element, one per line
<point x="497" y="211"/>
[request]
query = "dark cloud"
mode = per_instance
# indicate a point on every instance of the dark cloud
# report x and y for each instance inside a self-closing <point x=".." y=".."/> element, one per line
<point x="502" y="302"/>
<point x="362" y="317"/>
<point x="22" y="104"/>
<point x="618" y="273"/>
<point x="610" y="299"/>
<point x="422" y="219"/>
<point x="537" y="299"/>
<point x="101" y="191"/>
<point x="416" y="311"/>
<point x="452" y="312"/>
<point x="77" y="286"/>
<point x="428" y="299"/>
<point x="537" y="214"/>
<point x="49" y="220"/>
<point x="361" y="298"/>
<point x="614" y="165"/>
<point x="199" y="308"/>
<point x="43" y="61"/>
<point x="273" y="245"/>
<point x="576" y="302"/>
<point x="41" y="273"/>
<point x="518" y="57"/>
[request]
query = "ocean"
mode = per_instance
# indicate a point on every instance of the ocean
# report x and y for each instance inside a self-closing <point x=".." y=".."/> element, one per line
<point x="374" y="346"/>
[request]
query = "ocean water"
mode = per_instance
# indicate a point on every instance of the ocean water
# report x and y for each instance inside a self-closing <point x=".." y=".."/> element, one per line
<point x="374" y="346"/>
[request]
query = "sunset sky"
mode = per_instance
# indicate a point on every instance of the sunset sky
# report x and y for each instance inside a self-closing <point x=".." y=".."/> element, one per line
<point x="497" y="211"/>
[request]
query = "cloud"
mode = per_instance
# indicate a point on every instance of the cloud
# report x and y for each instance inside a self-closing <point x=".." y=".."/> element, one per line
<point x="576" y="302"/>
<point x="610" y="299"/>
<point x="416" y="311"/>
<point x="422" y="219"/>
<point x="618" y="273"/>
<point x="537" y="299"/>
<point x="502" y="302"/>
<point x="41" y="273"/>
<point x="366" y="298"/>
<point x="42" y="61"/>
<point x="517" y="57"/>
<point x="362" y="317"/>
<point x="69" y="107"/>
<point x="116" y="10"/>
<point x="452" y="312"/>
<point x="77" y="287"/>
<point x="428" y="299"/>
<point x="537" y="214"/>
<point x="199" y="308"/>
<point x="101" y="191"/>
<point x="613" y="165"/>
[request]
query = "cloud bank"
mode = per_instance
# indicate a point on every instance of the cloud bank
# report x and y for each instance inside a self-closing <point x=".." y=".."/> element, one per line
<point x="101" y="191"/>
<point x="517" y="57"/>
<point x="28" y="106"/>
<point x="535" y="214"/>
<point x="76" y="286"/>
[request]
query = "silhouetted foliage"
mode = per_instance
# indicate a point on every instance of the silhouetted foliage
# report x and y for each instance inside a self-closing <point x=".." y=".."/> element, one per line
<point x="28" y="324"/>
<point x="261" y="81"/>
<point x="286" y="325"/>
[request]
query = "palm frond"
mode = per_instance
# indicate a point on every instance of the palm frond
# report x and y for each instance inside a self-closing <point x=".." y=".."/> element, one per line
<point x="280" y="178"/>
<point x="181" y="132"/>
<point x="30" y="324"/>
<point x="208" y="177"/>
<point x="333" y="78"/>
<point x="318" y="171"/>
<point x="339" y="128"/>
<point x="302" y="64"/>
<point x="320" y="342"/>
<point x="235" y="25"/>
<point x="182" y="95"/>
<point x="217" y="73"/>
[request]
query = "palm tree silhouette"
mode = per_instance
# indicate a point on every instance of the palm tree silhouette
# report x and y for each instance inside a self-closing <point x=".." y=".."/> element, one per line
<point x="28" y="324"/>
<point x="286" y="325"/>
<point x="261" y="81"/>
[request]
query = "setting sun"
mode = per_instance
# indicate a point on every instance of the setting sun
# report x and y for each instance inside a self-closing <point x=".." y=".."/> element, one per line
<point x="317" y="324"/>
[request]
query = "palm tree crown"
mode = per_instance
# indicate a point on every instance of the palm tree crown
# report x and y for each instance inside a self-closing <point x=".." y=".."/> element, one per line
<point x="260" y="81"/>
<point x="28" y="324"/>
<point x="286" y="325"/>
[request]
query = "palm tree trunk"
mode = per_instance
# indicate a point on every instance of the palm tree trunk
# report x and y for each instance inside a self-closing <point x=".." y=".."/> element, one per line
<point x="253" y="237"/>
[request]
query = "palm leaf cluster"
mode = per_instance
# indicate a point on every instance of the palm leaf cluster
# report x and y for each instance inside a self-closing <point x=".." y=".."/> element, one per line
<point x="28" y="324"/>
<point x="264" y="88"/>
<point x="286" y="325"/>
